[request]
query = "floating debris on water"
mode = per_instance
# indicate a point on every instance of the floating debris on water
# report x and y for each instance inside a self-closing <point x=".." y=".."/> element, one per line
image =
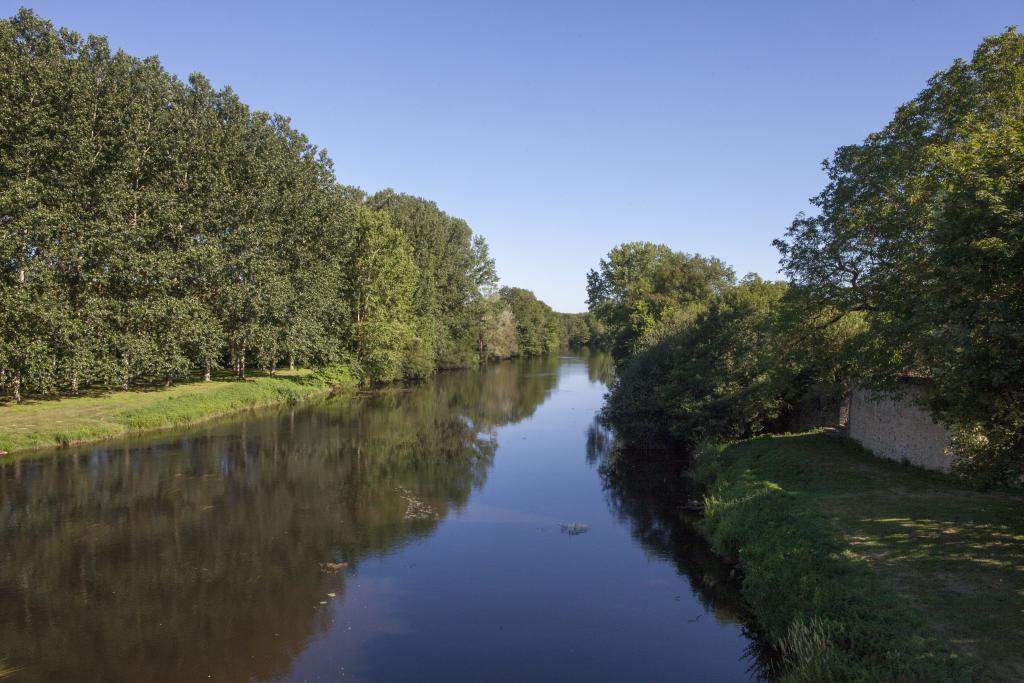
<point x="416" y="508"/>
<point x="332" y="567"/>
<point x="331" y="595"/>
<point x="574" y="528"/>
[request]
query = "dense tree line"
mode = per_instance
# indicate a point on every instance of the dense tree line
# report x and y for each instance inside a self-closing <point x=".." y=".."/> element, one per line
<point x="152" y="228"/>
<point x="584" y="330"/>
<point x="912" y="266"/>
<point x="719" y="358"/>
<point x="538" y="328"/>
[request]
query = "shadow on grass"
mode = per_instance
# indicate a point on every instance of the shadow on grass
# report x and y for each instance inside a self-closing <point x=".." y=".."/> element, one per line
<point x="955" y="556"/>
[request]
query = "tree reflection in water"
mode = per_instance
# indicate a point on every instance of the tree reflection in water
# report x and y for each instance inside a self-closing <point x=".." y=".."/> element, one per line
<point x="648" y="491"/>
<point x="180" y="558"/>
<point x="600" y="365"/>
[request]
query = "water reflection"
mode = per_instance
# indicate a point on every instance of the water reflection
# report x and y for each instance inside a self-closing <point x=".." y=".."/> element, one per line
<point x="200" y="556"/>
<point x="600" y="365"/>
<point x="649" y="493"/>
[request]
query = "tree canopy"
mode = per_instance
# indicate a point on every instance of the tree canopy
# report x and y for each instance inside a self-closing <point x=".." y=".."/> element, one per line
<point x="642" y="288"/>
<point x="921" y="230"/>
<point x="152" y="228"/>
<point x="911" y="266"/>
<point x="741" y="367"/>
<point x="538" y="328"/>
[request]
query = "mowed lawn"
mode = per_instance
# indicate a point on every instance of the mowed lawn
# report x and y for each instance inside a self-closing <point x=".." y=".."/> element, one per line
<point x="954" y="555"/>
<point x="44" y="423"/>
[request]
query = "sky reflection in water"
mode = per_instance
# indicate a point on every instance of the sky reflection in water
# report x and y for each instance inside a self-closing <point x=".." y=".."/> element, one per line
<point x="195" y="555"/>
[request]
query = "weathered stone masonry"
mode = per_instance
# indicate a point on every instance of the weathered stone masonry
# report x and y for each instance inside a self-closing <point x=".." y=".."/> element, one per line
<point x="895" y="427"/>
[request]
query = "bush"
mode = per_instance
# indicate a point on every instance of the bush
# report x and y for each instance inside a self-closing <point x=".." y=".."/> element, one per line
<point x="344" y="375"/>
<point x="719" y="376"/>
<point x="988" y="458"/>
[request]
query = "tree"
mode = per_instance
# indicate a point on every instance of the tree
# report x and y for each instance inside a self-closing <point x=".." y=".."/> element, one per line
<point x="454" y="269"/>
<point x="642" y="289"/>
<point x="718" y="377"/>
<point x="382" y="281"/>
<point x="921" y="230"/>
<point x="499" y="338"/>
<point x="153" y="229"/>
<point x="32" y="86"/>
<point x="538" y="330"/>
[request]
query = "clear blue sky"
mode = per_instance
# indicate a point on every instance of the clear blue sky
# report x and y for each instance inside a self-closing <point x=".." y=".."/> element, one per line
<point x="559" y="129"/>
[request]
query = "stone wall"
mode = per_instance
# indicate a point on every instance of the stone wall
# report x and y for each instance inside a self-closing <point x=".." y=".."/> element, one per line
<point x="893" y="426"/>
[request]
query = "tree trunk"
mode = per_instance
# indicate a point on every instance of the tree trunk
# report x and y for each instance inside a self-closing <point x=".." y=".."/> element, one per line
<point x="167" y="382"/>
<point x="241" y="365"/>
<point x="16" y="387"/>
<point x="127" y="376"/>
<point x="206" y="370"/>
<point x="74" y="382"/>
<point x="291" y="361"/>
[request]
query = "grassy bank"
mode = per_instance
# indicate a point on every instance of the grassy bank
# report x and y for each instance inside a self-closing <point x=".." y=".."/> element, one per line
<point x="862" y="569"/>
<point x="40" y="424"/>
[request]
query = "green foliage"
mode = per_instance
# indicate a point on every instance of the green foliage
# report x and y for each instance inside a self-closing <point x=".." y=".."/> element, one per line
<point x="342" y="375"/>
<point x="381" y="278"/>
<point x="538" y="328"/>
<point x="453" y="271"/>
<point x="738" y="369"/>
<point x="921" y="229"/>
<point x="987" y="456"/>
<point x="152" y="228"/>
<point x="584" y="329"/>
<point x="500" y="336"/>
<point x="817" y="602"/>
<point x="911" y="266"/>
<point x="642" y="289"/>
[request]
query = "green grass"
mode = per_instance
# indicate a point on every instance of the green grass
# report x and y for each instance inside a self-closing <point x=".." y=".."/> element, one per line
<point x="40" y="424"/>
<point x="863" y="569"/>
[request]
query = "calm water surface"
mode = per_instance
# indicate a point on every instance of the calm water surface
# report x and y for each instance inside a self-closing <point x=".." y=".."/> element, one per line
<point x="198" y="556"/>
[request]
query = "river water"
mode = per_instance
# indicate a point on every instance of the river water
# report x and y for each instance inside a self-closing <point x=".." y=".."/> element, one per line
<point x="213" y="554"/>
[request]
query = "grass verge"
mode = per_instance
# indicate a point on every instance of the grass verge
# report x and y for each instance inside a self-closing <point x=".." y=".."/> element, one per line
<point x="41" y="424"/>
<point x="862" y="569"/>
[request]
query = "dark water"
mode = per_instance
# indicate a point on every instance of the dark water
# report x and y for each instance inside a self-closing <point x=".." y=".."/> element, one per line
<point x="198" y="556"/>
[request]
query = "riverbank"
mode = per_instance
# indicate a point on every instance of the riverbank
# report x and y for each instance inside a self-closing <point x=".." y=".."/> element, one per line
<point x="863" y="569"/>
<point x="67" y="421"/>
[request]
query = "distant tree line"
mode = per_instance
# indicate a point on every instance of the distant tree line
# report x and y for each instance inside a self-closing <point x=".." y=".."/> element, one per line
<point x="912" y="265"/>
<point x="152" y="229"/>
<point x="584" y="329"/>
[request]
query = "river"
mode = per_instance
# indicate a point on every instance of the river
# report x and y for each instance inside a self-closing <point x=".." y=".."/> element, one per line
<point x="414" y="533"/>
